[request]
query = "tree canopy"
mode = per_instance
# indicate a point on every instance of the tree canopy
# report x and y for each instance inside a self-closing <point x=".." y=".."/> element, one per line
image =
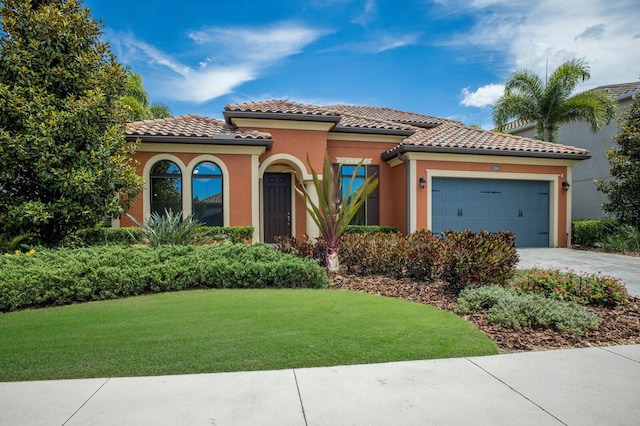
<point x="137" y="99"/>
<point x="623" y="190"/>
<point x="550" y="103"/>
<point x="64" y="160"/>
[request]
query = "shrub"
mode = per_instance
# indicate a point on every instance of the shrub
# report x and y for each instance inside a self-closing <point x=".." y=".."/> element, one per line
<point x="58" y="277"/>
<point x="305" y="247"/>
<point x="370" y="229"/>
<point x="526" y="310"/>
<point x="370" y="254"/>
<point x="588" y="232"/>
<point x="482" y="258"/>
<point x="626" y="238"/>
<point x="99" y="236"/>
<point x="422" y="255"/>
<point x="122" y="236"/>
<point x="23" y="242"/>
<point x="586" y="289"/>
<point x="171" y="228"/>
<point x="234" y="234"/>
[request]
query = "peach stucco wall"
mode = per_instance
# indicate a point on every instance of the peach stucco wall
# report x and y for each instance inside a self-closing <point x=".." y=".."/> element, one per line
<point x="314" y="144"/>
<point x="387" y="183"/>
<point x="549" y="171"/>
<point x="239" y="167"/>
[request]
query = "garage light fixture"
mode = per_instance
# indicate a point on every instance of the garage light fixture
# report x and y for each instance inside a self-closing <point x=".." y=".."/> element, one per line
<point x="565" y="185"/>
<point x="422" y="181"/>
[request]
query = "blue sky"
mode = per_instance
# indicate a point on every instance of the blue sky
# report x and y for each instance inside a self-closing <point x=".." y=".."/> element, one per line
<point x="447" y="58"/>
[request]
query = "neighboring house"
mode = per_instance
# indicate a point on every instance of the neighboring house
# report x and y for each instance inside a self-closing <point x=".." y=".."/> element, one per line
<point x="434" y="173"/>
<point x="587" y="200"/>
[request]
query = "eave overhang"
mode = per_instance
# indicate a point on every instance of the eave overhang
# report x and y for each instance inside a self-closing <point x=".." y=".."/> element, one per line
<point x="200" y="140"/>
<point x="388" y="155"/>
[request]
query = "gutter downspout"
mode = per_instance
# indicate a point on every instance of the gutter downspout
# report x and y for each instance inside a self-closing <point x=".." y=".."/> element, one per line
<point x="407" y="163"/>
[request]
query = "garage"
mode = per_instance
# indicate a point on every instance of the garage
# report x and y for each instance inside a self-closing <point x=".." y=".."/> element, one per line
<point x="519" y="206"/>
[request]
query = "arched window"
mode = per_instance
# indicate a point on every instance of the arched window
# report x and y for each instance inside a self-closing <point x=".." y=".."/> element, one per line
<point x="166" y="187"/>
<point x="207" y="193"/>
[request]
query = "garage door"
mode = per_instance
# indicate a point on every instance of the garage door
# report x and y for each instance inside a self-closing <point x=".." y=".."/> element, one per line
<point x="519" y="206"/>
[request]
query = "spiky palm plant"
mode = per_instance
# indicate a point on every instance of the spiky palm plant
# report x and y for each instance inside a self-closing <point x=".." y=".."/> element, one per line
<point x="170" y="228"/>
<point x="549" y="103"/>
<point x="332" y="213"/>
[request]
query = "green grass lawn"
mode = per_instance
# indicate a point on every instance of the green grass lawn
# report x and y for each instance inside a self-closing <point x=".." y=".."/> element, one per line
<point x="227" y="330"/>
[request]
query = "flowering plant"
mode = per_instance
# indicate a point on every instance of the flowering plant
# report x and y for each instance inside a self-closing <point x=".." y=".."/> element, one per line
<point x="586" y="289"/>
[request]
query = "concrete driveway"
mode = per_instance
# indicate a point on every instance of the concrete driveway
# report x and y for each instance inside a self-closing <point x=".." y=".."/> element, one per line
<point x="626" y="268"/>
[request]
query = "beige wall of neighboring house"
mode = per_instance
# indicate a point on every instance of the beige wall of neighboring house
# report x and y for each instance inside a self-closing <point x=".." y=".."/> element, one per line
<point x="587" y="200"/>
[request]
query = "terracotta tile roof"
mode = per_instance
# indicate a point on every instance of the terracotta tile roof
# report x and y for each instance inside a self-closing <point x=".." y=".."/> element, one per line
<point x="348" y="121"/>
<point x="619" y="89"/>
<point x="280" y="106"/>
<point x="388" y="114"/>
<point x="191" y="126"/>
<point x="452" y="137"/>
<point x="516" y="124"/>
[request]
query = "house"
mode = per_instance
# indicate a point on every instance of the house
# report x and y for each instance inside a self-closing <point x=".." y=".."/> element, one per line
<point x="434" y="173"/>
<point x="587" y="200"/>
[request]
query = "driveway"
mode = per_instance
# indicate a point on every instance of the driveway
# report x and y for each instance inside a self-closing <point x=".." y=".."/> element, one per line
<point x="626" y="268"/>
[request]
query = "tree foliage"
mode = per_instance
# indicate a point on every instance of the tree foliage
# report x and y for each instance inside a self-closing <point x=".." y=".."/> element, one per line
<point x="137" y="99"/>
<point x="64" y="160"/>
<point x="550" y="104"/>
<point x="624" y="189"/>
<point x="330" y="212"/>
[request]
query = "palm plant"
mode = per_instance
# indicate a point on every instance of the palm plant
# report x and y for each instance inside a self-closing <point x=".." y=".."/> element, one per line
<point x="549" y="103"/>
<point x="332" y="213"/>
<point x="170" y="228"/>
<point x="137" y="99"/>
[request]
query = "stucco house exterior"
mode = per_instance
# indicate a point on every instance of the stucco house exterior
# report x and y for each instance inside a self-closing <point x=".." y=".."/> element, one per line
<point x="434" y="173"/>
<point x="587" y="200"/>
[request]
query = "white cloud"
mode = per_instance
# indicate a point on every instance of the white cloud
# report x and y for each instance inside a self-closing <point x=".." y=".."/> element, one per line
<point x="484" y="96"/>
<point x="368" y="14"/>
<point x="528" y="34"/>
<point x="389" y="42"/>
<point x="232" y="56"/>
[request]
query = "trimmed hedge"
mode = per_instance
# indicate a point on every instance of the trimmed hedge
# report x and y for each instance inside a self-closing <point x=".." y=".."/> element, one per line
<point x="60" y="277"/>
<point x="589" y="232"/>
<point x="101" y="236"/>
<point x="370" y="229"/>
<point x="460" y="258"/>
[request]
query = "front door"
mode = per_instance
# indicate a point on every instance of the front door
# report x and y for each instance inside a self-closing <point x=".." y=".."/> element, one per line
<point x="277" y="205"/>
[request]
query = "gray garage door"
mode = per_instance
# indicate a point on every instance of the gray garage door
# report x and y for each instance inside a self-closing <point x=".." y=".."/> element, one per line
<point x="519" y="206"/>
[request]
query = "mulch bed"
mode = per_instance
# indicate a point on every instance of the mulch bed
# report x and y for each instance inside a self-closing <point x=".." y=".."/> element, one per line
<point x="618" y="326"/>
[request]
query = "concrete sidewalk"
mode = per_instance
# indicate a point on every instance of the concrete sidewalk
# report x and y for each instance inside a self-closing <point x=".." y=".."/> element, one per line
<point x="627" y="268"/>
<point x="592" y="386"/>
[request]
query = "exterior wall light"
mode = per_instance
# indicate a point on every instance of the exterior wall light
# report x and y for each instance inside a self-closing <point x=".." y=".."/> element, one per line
<point x="565" y="185"/>
<point x="422" y="181"/>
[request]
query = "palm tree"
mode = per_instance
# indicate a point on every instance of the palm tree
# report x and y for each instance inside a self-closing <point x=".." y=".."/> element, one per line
<point x="137" y="99"/>
<point x="549" y="103"/>
<point x="331" y="213"/>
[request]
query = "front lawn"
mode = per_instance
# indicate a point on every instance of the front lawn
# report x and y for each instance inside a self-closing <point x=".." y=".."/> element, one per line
<point x="227" y="330"/>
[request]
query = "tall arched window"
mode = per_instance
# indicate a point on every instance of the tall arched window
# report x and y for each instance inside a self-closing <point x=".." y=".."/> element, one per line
<point x="166" y="187"/>
<point x="207" y="194"/>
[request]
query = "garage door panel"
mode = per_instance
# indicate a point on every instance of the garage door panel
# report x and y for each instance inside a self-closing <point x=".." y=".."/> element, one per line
<point x="495" y="205"/>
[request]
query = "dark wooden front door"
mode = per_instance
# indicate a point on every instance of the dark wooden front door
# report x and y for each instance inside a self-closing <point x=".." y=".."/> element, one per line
<point x="277" y="205"/>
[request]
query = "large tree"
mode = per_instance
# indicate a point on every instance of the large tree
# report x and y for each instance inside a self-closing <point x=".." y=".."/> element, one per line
<point x="64" y="160"/>
<point x="624" y="189"/>
<point x="137" y="99"/>
<point x="550" y="103"/>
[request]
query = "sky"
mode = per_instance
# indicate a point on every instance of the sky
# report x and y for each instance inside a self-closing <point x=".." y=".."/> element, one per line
<point x="446" y="58"/>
